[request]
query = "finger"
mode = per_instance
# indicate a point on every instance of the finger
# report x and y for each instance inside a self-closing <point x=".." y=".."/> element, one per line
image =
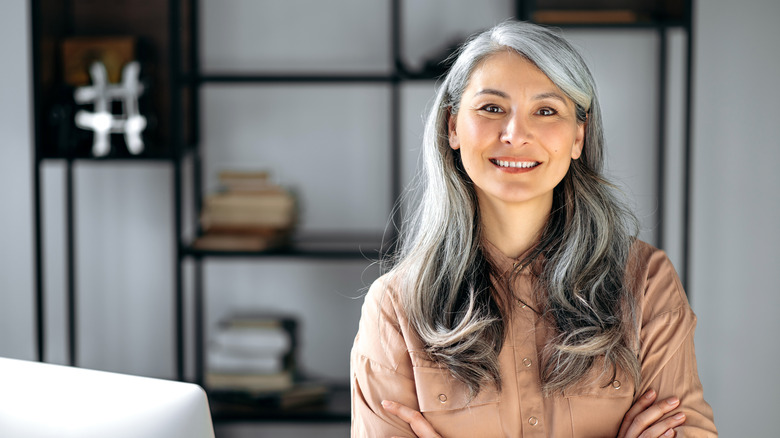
<point x="651" y="415"/>
<point x="399" y="410"/>
<point x="640" y="405"/>
<point x="421" y="427"/>
<point x="665" y="427"/>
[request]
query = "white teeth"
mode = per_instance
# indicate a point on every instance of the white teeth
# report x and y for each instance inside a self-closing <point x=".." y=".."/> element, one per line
<point x="520" y="164"/>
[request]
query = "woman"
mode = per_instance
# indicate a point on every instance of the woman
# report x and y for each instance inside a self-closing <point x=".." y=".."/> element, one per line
<point x="521" y="303"/>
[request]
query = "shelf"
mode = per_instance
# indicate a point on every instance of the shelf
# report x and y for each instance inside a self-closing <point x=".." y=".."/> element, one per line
<point x="309" y="245"/>
<point x="402" y="74"/>
<point x="165" y="157"/>
<point x="290" y="78"/>
<point x="606" y="12"/>
<point x="121" y="155"/>
<point x="618" y="26"/>
<point x="335" y="409"/>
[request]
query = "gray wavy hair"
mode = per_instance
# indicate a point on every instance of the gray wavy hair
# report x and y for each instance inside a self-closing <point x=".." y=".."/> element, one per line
<point x="584" y="247"/>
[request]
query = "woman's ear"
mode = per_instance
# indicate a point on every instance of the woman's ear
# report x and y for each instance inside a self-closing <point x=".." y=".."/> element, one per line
<point x="451" y="132"/>
<point x="579" y="141"/>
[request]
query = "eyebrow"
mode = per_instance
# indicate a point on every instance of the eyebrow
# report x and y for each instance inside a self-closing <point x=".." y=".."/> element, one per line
<point x="542" y="96"/>
<point x="550" y="95"/>
<point x="493" y="91"/>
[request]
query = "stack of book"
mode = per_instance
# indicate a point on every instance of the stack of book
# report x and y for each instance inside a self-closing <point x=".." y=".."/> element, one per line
<point x="251" y="364"/>
<point x="250" y="213"/>
<point x="252" y="354"/>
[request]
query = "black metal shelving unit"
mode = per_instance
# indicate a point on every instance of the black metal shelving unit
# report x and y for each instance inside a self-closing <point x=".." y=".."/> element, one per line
<point x="51" y="21"/>
<point x="661" y="17"/>
<point x="185" y="78"/>
<point x="340" y="246"/>
<point x="395" y="78"/>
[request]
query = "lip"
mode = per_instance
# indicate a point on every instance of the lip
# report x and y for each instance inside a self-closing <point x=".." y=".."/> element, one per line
<point x="514" y="165"/>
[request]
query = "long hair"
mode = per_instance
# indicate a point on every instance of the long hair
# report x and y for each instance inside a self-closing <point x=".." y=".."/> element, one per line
<point x="445" y="276"/>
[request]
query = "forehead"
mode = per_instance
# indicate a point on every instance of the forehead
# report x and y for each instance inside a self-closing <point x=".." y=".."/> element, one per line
<point x="510" y="69"/>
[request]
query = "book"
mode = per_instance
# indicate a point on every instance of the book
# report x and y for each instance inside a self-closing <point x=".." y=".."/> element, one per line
<point x="231" y="362"/>
<point x="249" y="382"/>
<point x="247" y="181"/>
<point x="253" y="340"/>
<point x="250" y="230"/>
<point x="241" y="175"/>
<point x="585" y="16"/>
<point x="301" y="394"/>
<point x="242" y="218"/>
<point x="259" y="318"/>
<point x="277" y="200"/>
<point x="235" y="242"/>
<point x="227" y="220"/>
<point x="78" y="53"/>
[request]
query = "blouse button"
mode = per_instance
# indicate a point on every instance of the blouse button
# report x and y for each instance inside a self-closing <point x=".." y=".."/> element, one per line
<point x="527" y="362"/>
<point x="616" y="384"/>
<point x="533" y="421"/>
<point x="442" y="398"/>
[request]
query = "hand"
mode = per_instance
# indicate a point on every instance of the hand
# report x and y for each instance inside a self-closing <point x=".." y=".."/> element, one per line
<point x="643" y="420"/>
<point x="421" y="427"/>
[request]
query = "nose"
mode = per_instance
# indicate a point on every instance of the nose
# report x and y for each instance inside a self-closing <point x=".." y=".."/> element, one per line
<point x="516" y="131"/>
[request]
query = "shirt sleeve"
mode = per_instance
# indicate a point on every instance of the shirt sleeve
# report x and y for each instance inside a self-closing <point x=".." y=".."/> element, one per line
<point x="667" y="352"/>
<point x="380" y="368"/>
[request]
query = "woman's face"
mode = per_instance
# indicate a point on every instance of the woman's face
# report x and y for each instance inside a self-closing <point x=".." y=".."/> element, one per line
<point x="517" y="132"/>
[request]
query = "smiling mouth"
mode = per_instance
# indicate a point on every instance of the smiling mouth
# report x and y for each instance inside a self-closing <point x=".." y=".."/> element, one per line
<point x="516" y="164"/>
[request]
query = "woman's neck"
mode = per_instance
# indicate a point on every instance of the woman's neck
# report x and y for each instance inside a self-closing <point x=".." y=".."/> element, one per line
<point x="513" y="228"/>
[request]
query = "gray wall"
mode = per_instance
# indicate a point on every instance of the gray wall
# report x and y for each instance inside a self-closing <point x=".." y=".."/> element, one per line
<point x="16" y="250"/>
<point x="736" y="212"/>
<point x="339" y="134"/>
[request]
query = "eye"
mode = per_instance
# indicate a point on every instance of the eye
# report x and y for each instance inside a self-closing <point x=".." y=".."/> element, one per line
<point x="546" y="112"/>
<point x="491" y="108"/>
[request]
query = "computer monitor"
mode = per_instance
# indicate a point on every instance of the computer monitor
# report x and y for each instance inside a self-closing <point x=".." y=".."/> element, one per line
<point x="39" y="400"/>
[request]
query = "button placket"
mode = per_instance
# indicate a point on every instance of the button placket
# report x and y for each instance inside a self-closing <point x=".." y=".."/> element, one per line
<point x="526" y="372"/>
<point x="524" y="334"/>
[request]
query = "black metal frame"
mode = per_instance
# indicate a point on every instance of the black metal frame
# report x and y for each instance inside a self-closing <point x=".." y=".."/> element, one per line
<point x="524" y="9"/>
<point x="179" y="79"/>
<point x="40" y="314"/>
<point x="71" y="298"/>
<point x="174" y="13"/>
<point x="688" y="148"/>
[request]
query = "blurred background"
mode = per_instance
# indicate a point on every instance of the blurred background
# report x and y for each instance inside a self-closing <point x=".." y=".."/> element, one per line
<point x="331" y="143"/>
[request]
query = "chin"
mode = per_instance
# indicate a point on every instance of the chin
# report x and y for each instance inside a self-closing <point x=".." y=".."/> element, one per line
<point x="515" y="196"/>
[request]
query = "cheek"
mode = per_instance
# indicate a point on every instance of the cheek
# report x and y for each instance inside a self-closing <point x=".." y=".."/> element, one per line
<point x="469" y="159"/>
<point x="560" y="141"/>
<point x="466" y="160"/>
<point x="475" y="128"/>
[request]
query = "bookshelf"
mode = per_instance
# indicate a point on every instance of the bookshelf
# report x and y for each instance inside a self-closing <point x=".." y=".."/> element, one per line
<point x="173" y="28"/>
<point x="52" y="22"/>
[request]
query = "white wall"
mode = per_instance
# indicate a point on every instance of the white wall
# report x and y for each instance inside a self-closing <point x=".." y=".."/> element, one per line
<point x="736" y="213"/>
<point x="16" y="235"/>
<point x="124" y="222"/>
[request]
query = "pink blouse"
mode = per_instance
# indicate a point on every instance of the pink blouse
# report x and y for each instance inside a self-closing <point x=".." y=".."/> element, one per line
<point x="388" y="363"/>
